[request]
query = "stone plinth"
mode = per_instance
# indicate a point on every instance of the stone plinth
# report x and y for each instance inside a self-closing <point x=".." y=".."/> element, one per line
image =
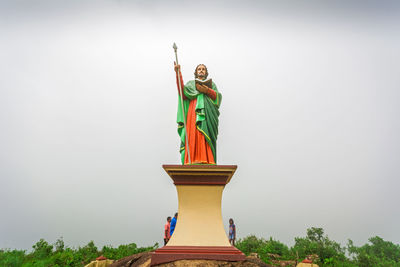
<point x="199" y="232"/>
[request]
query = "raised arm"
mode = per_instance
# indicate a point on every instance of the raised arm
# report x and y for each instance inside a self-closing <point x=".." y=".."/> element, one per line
<point x="179" y="79"/>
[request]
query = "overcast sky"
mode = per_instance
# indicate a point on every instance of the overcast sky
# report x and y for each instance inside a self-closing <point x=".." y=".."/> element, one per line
<point x="88" y="101"/>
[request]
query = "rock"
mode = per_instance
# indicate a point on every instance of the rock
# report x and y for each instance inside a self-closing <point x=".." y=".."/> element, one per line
<point x="283" y="263"/>
<point x="144" y="259"/>
<point x="135" y="260"/>
<point x="100" y="263"/>
<point x="274" y="256"/>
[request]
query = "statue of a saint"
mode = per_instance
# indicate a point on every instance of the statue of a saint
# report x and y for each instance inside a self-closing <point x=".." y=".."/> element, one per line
<point x="201" y="101"/>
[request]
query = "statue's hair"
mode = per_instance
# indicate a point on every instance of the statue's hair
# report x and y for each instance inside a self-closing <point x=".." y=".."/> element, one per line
<point x="195" y="71"/>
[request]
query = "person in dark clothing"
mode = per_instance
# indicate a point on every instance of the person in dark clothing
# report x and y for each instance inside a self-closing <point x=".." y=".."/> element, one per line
<point x="232" y="232"/>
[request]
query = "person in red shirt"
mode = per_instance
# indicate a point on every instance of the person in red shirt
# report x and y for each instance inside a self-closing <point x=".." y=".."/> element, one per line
<point x="167" y="228"/>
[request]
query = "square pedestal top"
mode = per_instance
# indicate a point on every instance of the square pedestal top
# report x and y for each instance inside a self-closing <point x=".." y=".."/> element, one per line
<point x="200" y="174"/>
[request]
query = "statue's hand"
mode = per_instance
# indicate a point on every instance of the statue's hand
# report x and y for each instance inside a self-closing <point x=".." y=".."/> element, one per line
<point x="201" y="88"/>
<point x="177" y="67"/>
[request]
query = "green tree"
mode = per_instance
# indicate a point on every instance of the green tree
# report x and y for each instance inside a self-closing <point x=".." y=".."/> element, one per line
<point x="329" y="252"/>
<point x="275" y="247"/>
<point x="59" y="245"/>
<point x="87" y="253"/>
<point x="42" y="249"/>
<point x="252" y="244"/>
<point x="12" y="258"/>
<point x="57" y="255"/>
<point x="378" y="253"/>
<point x="124" y="250"/>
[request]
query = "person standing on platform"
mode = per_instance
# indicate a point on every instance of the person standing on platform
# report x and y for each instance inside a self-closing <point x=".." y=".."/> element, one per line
<point x="167" y="232"/>
<point x="232" y="232"/>
<point x="173" y="223"/>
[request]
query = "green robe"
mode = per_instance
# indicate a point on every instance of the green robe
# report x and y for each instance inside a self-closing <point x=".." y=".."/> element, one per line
<point x="207" y="113"/>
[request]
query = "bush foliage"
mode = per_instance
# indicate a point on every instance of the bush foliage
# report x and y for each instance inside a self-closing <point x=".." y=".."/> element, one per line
<point x="57" y="255"/>
<point x="377" y="252"/>
<point x="327" y="252"/>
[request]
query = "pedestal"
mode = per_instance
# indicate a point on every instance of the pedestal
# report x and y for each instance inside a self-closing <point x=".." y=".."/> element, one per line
<point x="199" y="232"/>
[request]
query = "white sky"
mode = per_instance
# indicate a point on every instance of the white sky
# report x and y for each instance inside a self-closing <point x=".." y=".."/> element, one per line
<point x="88" y="105"/>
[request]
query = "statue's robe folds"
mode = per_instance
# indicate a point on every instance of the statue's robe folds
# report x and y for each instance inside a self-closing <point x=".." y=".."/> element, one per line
<point x="201" y="112"/>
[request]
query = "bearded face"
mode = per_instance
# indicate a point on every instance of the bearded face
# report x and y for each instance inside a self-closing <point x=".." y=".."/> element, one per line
<point x="201" y="72"/>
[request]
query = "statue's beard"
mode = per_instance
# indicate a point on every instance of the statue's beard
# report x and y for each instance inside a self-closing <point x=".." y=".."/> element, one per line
<point x="201" y="76"/>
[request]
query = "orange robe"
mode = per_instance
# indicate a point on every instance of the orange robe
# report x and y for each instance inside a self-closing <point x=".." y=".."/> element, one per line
<point x="200" y="150"/>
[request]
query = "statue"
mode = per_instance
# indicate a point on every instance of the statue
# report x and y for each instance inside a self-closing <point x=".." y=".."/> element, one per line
<point x="200" y="101"/>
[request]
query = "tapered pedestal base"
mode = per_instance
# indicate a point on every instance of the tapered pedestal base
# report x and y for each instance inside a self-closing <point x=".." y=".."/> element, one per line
<point x="199" y="232"/>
